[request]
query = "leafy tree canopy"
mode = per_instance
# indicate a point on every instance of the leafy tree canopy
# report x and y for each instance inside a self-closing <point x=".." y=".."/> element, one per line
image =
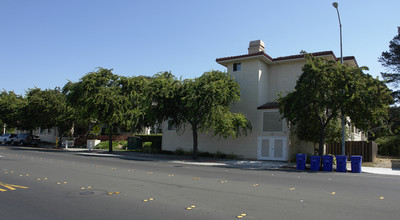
<point x="11" y="105"/>
<point x="203" y="103"/>
<point x="326" y="90"/>
<point x="391" y="60"/>
<point x="108" y="98"/>
<point x="45" y="109"/>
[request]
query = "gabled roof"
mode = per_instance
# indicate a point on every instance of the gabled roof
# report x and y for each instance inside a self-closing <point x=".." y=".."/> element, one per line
<point x="285" y="58"/>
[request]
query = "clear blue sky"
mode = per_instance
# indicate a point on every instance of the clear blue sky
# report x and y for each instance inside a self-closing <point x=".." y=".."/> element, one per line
<point x="45" y="43"/>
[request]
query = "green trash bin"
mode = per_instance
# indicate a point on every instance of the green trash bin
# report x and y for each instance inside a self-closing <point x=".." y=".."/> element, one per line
<point x="134" y="143"/>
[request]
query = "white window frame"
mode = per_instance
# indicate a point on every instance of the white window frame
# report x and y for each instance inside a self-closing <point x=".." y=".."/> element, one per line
<point x="238" y="67"/>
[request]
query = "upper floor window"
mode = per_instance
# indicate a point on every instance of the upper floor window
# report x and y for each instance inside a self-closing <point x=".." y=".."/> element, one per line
<point x="171" y="125"/>
<point x="237" y="67"/>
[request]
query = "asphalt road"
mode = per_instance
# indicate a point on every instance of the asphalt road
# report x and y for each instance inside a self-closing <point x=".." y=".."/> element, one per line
<point x="36" y="184"/>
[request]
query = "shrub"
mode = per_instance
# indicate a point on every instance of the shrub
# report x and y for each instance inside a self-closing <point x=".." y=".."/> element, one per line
<point x="389" y="146"/>
<point x="204" y="154"/>
<point x="104" y="145"/>
<point x="219" y="154"/>
<point x="231" y="156"/>
<point x="148" y="147"/>
<point x="179" y="151"/>
<point x="116" y="145"/>
<point x="155" y="139"/>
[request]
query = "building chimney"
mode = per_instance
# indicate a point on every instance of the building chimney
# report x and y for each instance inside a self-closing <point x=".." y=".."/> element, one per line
<point x="256" y="46"/>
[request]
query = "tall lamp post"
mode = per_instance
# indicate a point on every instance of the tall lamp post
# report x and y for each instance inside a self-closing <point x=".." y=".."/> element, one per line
<point x="343" y="144"/>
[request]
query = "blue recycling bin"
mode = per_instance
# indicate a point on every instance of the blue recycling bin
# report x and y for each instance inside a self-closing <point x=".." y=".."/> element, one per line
<point x="341" y="163"/>
<point x="301" y="161"/>
<point x="327" y="161"/>
<point x="356" y="162"/>
<point x="315" y="162"/>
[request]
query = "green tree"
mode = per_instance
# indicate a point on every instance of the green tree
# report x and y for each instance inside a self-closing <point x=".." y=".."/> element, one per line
<point x="107" y="98"/>
<point x="203" y="103"/>
<point x="394" y="119"/>
<point x="164" y="94"/>
<point x="46" y="109"/>
<point x="309" y="131"/>
<point x="11" y="105"/>
<point x="327" y="89"/>
<point x="391" y="60"/>
<point x="133" y="89"/>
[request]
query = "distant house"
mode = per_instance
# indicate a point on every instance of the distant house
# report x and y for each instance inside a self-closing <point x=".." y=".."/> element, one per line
<point x="261" y="79"/>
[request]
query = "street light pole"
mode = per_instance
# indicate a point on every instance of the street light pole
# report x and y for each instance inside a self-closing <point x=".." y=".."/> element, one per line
<point x="343" y="144"/>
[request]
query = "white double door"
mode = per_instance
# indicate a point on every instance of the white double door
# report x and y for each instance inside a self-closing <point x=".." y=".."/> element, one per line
<point x="272" y="148"/>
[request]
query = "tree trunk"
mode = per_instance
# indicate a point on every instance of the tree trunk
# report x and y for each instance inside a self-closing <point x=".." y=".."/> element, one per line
<point x="110" y="147"/>
<point x="60" y="142"/>
<point x="321" y="141"/>
<point x="194" y="130"/>
<point x="60" y="134"/>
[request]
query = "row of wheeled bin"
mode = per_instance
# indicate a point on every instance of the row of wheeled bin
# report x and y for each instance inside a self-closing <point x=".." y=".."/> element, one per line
<point x="327" y="163"/>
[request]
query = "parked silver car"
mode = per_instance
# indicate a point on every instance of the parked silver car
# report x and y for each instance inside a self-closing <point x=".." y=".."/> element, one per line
<point x="7" y="138"/>
<point x="25" y="139"/>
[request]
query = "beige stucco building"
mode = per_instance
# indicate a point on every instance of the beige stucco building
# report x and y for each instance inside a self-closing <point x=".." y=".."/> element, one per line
<point x="261" y="79"/>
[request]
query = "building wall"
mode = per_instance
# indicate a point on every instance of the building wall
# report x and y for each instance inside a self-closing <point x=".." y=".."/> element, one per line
<point x="244" y="146"/>
<point x="260" y="83"/>
<point x="47" y="135"/>
<point x="283" y="78"/>
<point x="255" y="79"/>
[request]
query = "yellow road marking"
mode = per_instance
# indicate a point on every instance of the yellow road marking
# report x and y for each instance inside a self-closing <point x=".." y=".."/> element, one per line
<point x="11" y="187"/>
<point x="190" y="207"/>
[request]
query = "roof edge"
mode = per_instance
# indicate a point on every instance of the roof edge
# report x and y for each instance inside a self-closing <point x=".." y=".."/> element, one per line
<point x="284" y="58"/>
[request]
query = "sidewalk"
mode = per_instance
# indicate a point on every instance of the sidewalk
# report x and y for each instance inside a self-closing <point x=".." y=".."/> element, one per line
<point x="242" y="164"/>
<point x="380" y="170"/>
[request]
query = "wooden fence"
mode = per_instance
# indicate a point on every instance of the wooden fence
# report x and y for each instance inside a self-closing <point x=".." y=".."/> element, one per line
<point x="368" y="150"/>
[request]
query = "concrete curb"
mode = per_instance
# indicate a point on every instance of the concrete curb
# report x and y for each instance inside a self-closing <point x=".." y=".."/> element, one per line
<point x="243" y="164"/>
